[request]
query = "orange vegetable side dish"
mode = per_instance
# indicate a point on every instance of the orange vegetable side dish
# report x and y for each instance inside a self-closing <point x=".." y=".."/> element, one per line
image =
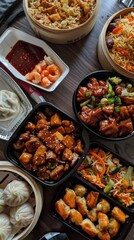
<point x="120" y="41"/>
<point x="90" y="212"/>
<point x="104" y="170"/>
<point x="49" y="146"/>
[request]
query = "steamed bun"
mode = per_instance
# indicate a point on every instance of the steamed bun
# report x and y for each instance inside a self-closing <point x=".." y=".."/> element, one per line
<point x="16" y="193"/>
<point x="2" y="202"/>
<point x="5" y="227"/>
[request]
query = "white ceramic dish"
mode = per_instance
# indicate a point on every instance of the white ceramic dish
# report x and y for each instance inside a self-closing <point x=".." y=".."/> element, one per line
<point x="9" y="172"/>
<point x="9" y="126"/>
<point x="11" y="36"/>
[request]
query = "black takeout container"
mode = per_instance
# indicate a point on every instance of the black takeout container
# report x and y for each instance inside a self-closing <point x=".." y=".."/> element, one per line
<point x="12" y="155"/>
<point x="101" y="75"/>
<point x="122" y="161"/>
<point x="70" y="183"/>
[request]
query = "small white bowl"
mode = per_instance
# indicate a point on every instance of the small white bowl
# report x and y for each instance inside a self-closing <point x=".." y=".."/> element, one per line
<point x="11" y="36"/>
<point x="15" y="173"/>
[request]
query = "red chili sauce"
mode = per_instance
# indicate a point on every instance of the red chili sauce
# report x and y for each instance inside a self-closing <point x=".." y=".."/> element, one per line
<point x="24" y="56"/>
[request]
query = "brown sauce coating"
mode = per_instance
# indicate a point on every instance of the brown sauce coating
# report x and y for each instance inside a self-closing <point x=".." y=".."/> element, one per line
<point x="24" y="56"/>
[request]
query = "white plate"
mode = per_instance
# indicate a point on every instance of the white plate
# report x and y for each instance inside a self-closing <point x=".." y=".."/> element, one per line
<point x="11" y="36"/>
<point x="8" y="127"/>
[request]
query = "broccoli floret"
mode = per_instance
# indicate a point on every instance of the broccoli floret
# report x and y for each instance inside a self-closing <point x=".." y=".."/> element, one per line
<point x="115" y="80"/>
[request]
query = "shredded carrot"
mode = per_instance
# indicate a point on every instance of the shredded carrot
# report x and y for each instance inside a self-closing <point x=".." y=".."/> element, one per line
<point x="117" y="30"/>
<point x="93" y="153"/>
<point x="122" y="50"/>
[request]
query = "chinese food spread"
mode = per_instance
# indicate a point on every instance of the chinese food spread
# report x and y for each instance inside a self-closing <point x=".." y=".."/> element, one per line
<point x="104" y="170"/>
<point x="49" y="145"/>
<point x="61" y="14"/>
<point x="89" y="212"/>
<point x="120" y="41"/>
<point x="107" y="106"/>
<point x="9" y="105"/>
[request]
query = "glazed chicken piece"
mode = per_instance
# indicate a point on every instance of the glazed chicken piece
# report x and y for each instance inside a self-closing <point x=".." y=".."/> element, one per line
<point x="55" y="120"/>
<point x="91" y="116"/>
<point x="108" y="110"/>
<point x="81" y="205"/>
<point x="103" y="221"/>
<point x="67" y="155"/>
<point x="103" y="235"/>
<point x="30" y="127"/>
<point x="113" y="227"/>
<point x="38" y="116"/>
<point x="33" y="144"/>
<point x="119" y="215"/>
<point x="81" y="94"/>
<point x="124" y="113"/>
<point x="92" y="214"/>
<point x="70" y="198"/>
<point x="92" y="199"/>
<point x="26" y="158"/>
<point x="98" y="88"/>
<point x="109" y="128"/>
<point x="128" y="100"/>
<point x="68" y="141"/>
<point x="39" y="156"/>
<point x="25" y="136"/>
<point x="125" y="127"/>
<point x="68" y="126"/>
<point x="78" y="148"/>
<point x="103" y="206"/>
<point x="44" y="133"/>
<point x="61" y="130"/>
<point x="89" y="227"/>
<point x="50" y="155"/>
<point x="80" y="190"/>
<point x="57" y="172"/>
<point x="19" y="145"/>
<point x="62" y="209"/>
<point x="41" y="124"/>
<point x="74" y="159"/>
<point x="75" y="217"/>
<point x="43" y="173"/>
<point x="52" y="141"/>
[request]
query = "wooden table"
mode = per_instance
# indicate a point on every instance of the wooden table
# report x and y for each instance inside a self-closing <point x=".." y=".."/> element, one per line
<point x="81" y="57"/>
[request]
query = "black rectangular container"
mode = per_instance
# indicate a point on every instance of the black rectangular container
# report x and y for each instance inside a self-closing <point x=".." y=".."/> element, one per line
<point x="12" y="155"/>
<point x="122" y="161"/>
<point x="70" y="183"/>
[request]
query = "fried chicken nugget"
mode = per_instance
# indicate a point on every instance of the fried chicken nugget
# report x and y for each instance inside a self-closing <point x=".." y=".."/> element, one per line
<point x="89" y="227"/>
<point x="104" y="235"/>
<point x="70" y="198"/>
<point x="93" y="215"/>
<point x="81" y="205"/>
<point x="119" y="215"/>
<point x="75" y="217"/>
<point x="103" y="206"/>
<point x="80" y="190"/>
<point x="113" y="227"/>
<point x="92" y="199"/>
<point x="62" y="209"/>
<point x="103" y="221"/>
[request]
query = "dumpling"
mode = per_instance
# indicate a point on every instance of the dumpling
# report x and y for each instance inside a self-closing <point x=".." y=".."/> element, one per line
<point x="9" y="105"/>
<point x="22" y="216"/>
<point x="2" y="202"/>
<point x="16" y="193"/>
<point x="5" y="227"/>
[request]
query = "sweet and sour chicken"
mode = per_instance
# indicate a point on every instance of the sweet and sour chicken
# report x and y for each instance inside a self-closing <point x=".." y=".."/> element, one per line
<point x="49" y="145"/>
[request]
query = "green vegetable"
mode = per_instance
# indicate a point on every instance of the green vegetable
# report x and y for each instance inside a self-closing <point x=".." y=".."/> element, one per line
<point x="129" y="86"/>
<point x="84" y="103"/>
<point x="110" y="100"/>
<point x="117" y="100"/>
<point x="90" y="106"/>
<point x="129" y="174"/>
<point x="115" y="170"/>
<point x="127" y="94"/>
<point x="93" y="98"/>
<point x="110" y="90"/>
<point x="101" y="104"/>
<point x="115" y="80"/>
<point x="52" y="167"/>
<point x="117" y="109"/>
<point x="87" y="94"/>
<point x="109" y="186"/>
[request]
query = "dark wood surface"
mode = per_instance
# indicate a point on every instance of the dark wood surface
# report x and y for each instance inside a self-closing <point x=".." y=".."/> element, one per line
<point x="81" y="57"/>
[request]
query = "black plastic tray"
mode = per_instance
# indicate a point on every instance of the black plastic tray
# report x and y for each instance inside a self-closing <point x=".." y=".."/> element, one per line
<point x="101" y="74"/>
<point x="12" y="155"/>
<point x="124" y="229"/>
<point x="122" y="161"/>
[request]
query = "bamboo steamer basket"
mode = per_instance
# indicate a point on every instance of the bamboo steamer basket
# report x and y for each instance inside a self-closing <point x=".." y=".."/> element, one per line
<point x="103" y="53"/>
<point x="16" y="173"/>
<point x="62" y="36"/>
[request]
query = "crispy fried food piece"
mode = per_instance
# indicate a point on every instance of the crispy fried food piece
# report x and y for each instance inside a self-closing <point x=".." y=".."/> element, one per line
<point x="41" y="124"/>
<point x="68" y="141"/>
<point x="33" y="144"/>
<point x="89" y="227"/>
<point x="70" y="198"/>
<point x="119" y="215"/>
<point x="57" y="173"/>
<point x="81" y="205"/>
<point x="62" y="209"/>
<point x="25" y="157"/>
<point x="113" y="227"/>
<point x="103" y="221"/>
<point x="39" y="156"/>
<point x="75" y="217"/>
<point x="104" y="235"/>
<point x="103" y="206"/>
<point x="92" y="214"/>
<point x="92" y="199"/>
<point x="80" y="190"/>
<point x="78" y="147"/>
<point x="55" y="120"/>
<point x="67" y="155"/>
<point x="30" y="127"/>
